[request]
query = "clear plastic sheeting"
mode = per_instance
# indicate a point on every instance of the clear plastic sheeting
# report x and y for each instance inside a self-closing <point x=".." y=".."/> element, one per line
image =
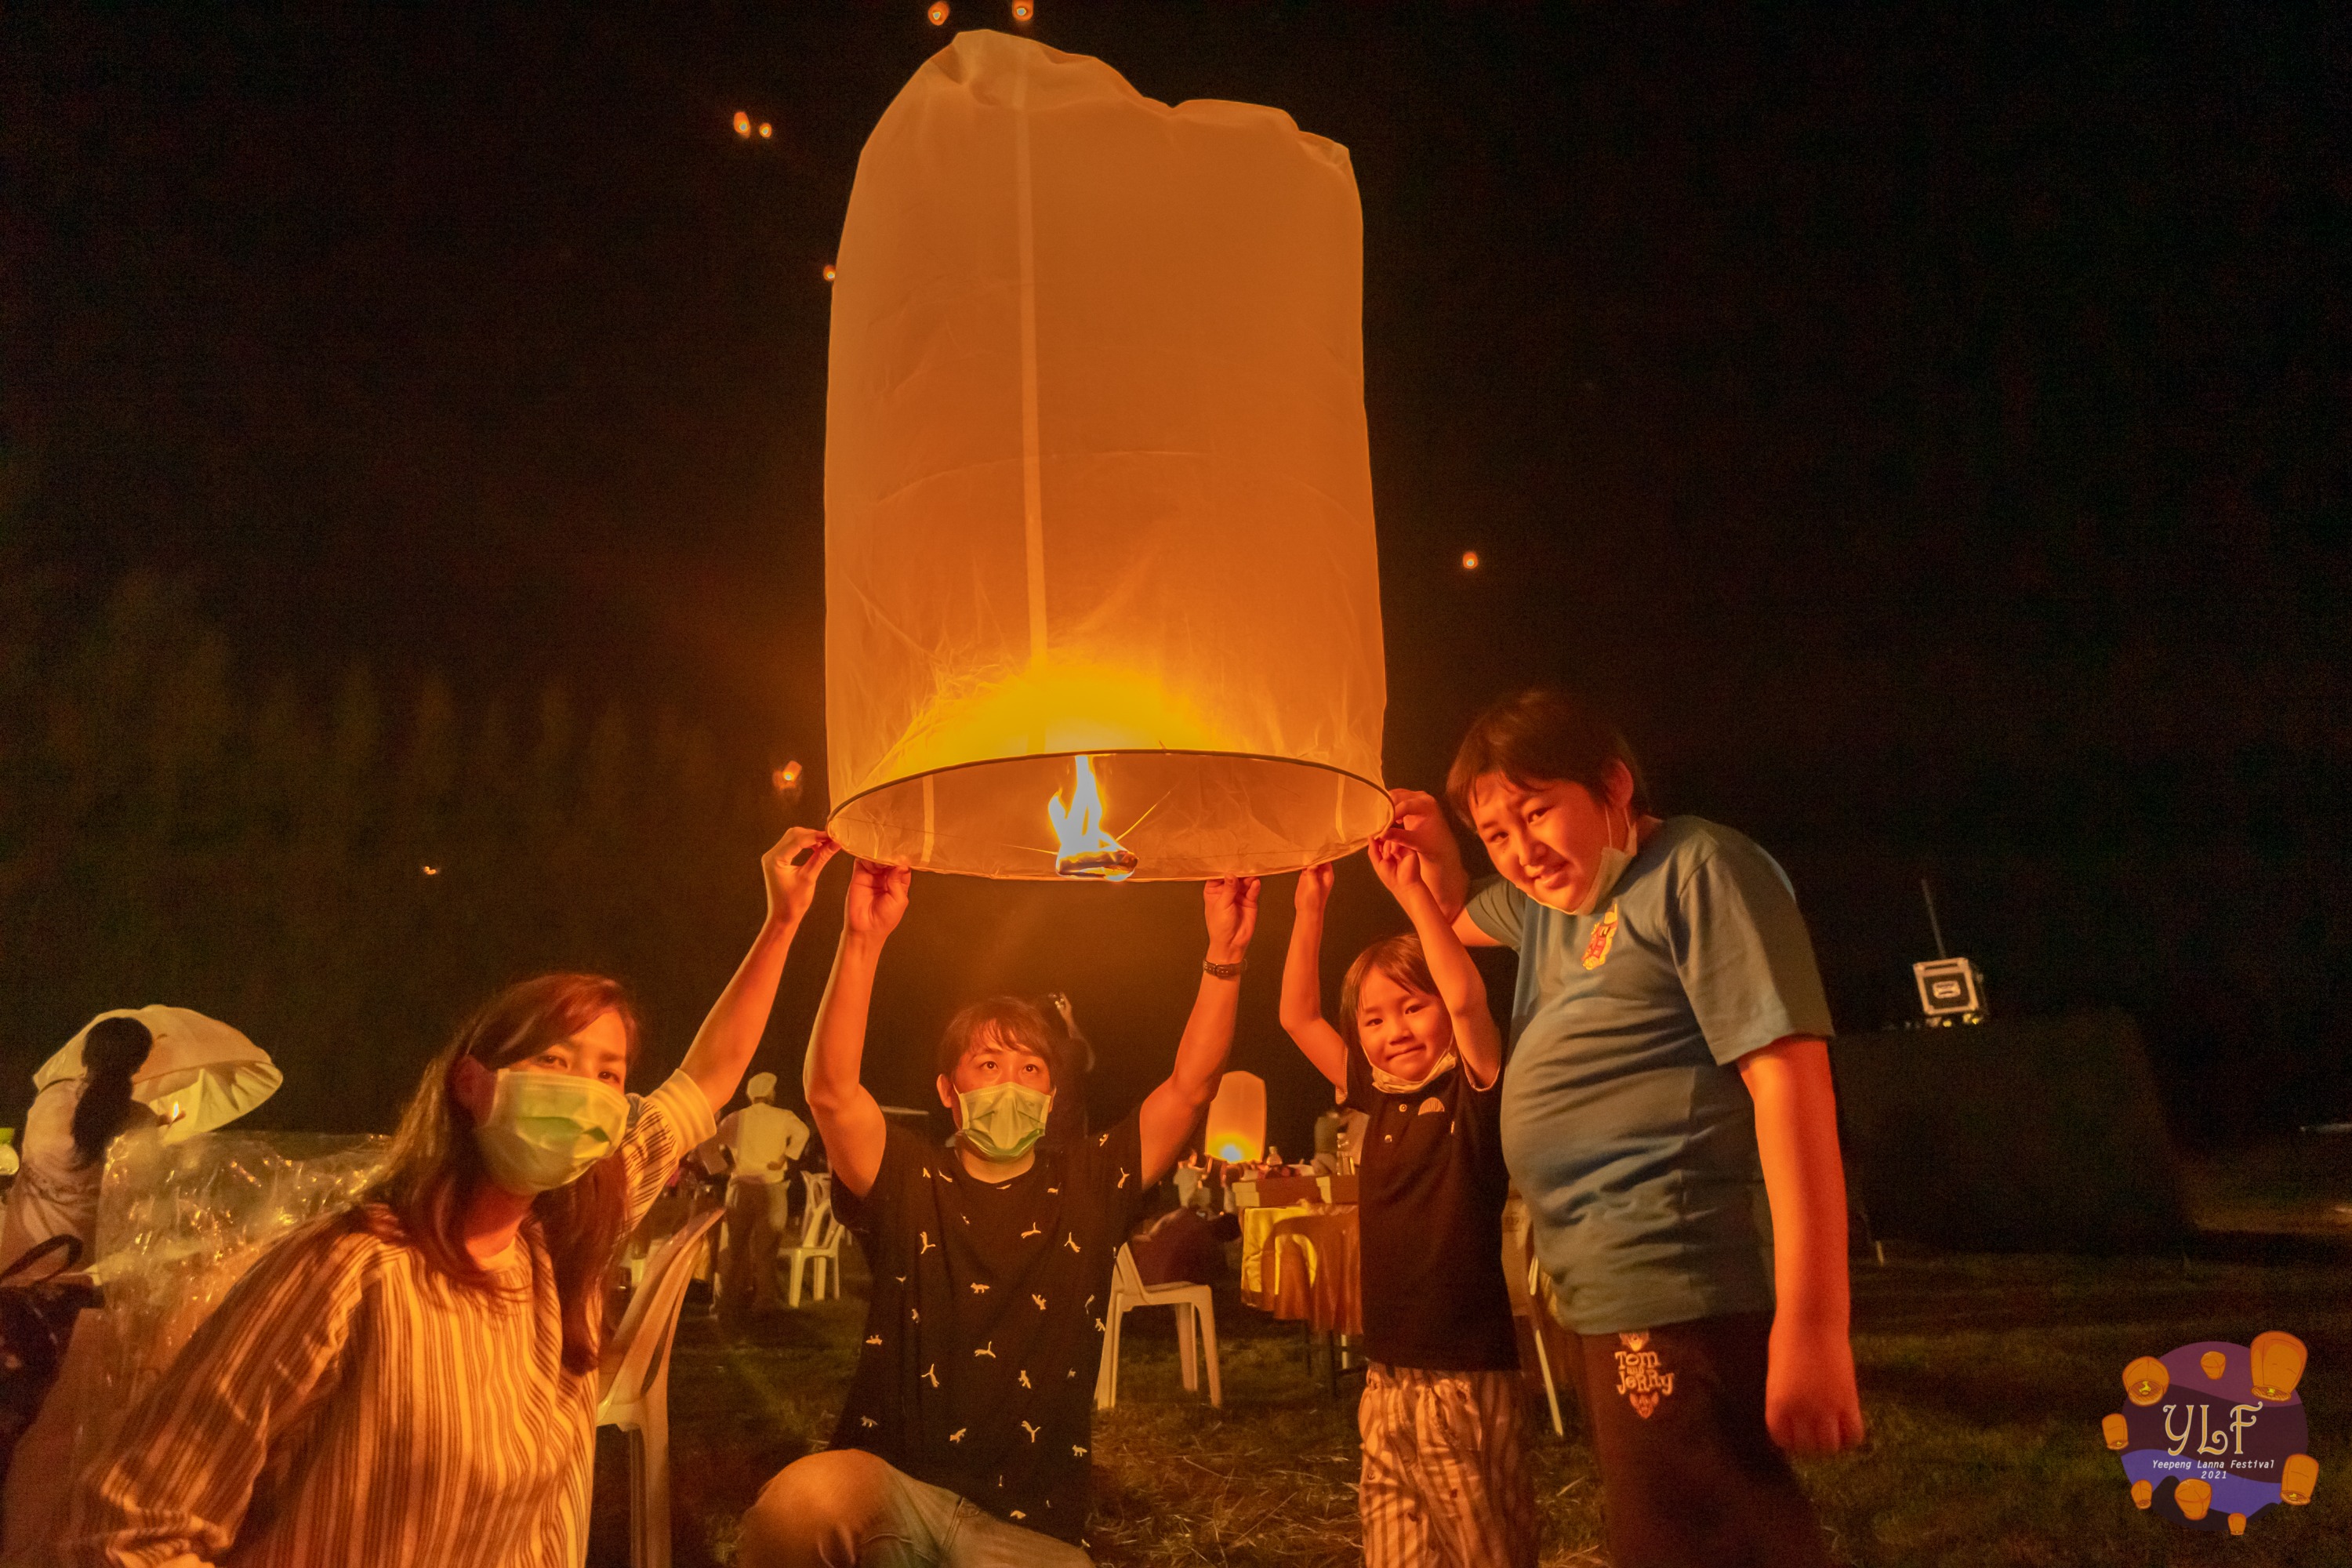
<point x="201" y="1074"/>
<point x="178" y="1223"/>
<point x="1097" y="481"/>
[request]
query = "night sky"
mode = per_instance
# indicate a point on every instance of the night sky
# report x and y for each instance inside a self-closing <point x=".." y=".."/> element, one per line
<point x="1929" y="431"/>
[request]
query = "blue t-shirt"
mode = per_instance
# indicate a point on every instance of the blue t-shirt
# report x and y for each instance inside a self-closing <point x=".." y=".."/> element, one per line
<point x="1625" y="1124"/>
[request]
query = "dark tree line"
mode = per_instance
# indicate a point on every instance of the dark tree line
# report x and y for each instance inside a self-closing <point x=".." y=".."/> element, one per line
<point x="338" y="869"/>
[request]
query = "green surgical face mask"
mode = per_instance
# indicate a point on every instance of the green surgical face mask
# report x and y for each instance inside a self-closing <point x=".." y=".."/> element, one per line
<point x="1003" y="1121"/>
<point x="545" y="1129"/>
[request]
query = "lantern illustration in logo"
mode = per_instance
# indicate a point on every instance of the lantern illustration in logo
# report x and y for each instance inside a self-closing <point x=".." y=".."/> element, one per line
<point x="2145" y="1380"/>
<point x="2116" y="1431"/>
<point x="1096" y="482"/>
<point x="2237" y="1524"/>
<point x="2298" y="1479"/>
<point x="2193" y="1496"/>
<point x="2213" y="1364"/>
<point x="2143" y="1493"/>
<point x="2278" y="1362"/>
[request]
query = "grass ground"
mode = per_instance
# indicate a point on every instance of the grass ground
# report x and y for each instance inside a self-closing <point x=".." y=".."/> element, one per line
<point x="1983" y="1382"/>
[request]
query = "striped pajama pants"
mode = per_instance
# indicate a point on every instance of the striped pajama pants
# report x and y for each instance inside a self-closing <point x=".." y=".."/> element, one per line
<point x="1445" y="1481"/>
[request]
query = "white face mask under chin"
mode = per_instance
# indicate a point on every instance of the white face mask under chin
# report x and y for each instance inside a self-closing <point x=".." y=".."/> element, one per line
<point x="1611" y="865"/>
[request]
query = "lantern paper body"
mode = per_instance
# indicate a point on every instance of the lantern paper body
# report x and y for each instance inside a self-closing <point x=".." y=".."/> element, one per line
<point x="1097" y="480"/>
<point x="201" y="1074"/>
<point x="1237" y="1129"/>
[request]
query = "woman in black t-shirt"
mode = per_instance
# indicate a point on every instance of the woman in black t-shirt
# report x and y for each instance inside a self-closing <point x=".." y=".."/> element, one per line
<point x="1445" y="1478"/>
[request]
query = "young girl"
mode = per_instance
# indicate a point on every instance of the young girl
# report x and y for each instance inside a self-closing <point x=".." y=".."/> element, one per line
<point x="1669" y="1070"/>
<point x="414" y="1382"/>
<point x="1445" y="1475"/>
<point x="66" y="1138"/>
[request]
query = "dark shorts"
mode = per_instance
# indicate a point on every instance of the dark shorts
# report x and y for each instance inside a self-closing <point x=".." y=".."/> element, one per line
<point x="1692" y="1479"/>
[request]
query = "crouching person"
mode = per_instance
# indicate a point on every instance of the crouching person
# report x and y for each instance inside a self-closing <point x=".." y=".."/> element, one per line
<point x="963" y="1442"/>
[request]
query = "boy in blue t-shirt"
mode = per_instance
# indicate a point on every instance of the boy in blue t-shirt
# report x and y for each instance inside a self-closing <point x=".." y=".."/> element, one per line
<point x="1669" y="1083"/>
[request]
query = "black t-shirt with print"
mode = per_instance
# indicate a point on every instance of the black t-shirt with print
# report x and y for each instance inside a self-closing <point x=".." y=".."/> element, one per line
<point x="1431" y="1184"/>
<point x="985" y="1329"/>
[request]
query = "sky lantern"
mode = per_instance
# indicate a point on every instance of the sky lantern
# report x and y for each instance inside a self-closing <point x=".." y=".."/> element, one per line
<point x="200" y="1075"/>
<point x="1102" y="600"/>
<point x="1236" y="1124"/>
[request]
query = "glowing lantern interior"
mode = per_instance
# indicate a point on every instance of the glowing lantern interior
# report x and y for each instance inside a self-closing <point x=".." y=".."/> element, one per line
<point x="1236" y="1130"/>
<point x="1097" y="484"/>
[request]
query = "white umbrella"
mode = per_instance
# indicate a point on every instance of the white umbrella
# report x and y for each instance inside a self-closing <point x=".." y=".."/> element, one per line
<point x="200" y="1075"/>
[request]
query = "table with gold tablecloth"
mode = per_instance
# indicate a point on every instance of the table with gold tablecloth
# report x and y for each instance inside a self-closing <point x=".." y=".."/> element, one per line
<point x="1299" y="1262"/>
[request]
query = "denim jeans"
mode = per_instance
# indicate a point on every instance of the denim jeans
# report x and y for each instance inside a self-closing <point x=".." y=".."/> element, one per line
<point x="848" y="1509"/>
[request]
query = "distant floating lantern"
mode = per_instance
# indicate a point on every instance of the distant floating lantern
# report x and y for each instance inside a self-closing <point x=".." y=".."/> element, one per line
<point x="828" y="271"/>
<point x="2116" y="1431"/>
<point x="2278" y="1364"/>
<point x="742" y="124"/>
<point x="1096" y="482"/>
<point x="937" y="13"/>
<point x="1022" y="11"/>
<point x="786" y="780"/>
<point x="2145" y="1380"/>
<point x="430" y="870"/>
<point x="1469" y="561"/>
<point x="2298" y="1479"/>
<point x="1237" y="1127"/>
<point x="767" y="132"/>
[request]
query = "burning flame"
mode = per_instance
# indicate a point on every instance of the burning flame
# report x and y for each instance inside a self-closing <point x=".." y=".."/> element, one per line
<point x="1083" y="849"/>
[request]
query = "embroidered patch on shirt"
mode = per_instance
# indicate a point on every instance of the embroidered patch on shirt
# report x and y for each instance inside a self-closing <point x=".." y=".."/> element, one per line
<point x="1639" y="1378"/>
<point x="1596" y="952"/>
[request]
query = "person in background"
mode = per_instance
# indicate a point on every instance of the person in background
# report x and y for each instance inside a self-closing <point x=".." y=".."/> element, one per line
<point x="1670" y="1068"/>
<point x="411" y="1383"/>
<point x="963" y="1440"/>
<point x="1445" y="1479"/>
<point x="66" y="1133"/>
<point x="758" y="1144"/>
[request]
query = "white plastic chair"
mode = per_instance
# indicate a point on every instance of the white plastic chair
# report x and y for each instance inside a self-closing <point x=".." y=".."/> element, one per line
<point x="1128" y="1292"/>
<point x="818" y="1249"/>
<point x="1539" y="1308"/>
<point x="633" y="1386"/>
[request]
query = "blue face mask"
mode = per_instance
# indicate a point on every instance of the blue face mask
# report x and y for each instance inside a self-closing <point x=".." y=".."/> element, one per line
<point x="1003" y="1122"/>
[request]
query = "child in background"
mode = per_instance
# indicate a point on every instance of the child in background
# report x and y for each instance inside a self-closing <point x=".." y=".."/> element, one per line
<point x="1669" y="1067"/>
<point x="1446" y="1477"/>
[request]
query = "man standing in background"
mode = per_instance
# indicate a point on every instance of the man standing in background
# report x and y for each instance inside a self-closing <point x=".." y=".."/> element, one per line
<point x="759" y="1144"/>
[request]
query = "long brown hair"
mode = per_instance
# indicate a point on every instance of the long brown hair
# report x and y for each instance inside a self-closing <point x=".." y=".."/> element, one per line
<point x="111" y="1052"/>
<point x="434" y="1167"/>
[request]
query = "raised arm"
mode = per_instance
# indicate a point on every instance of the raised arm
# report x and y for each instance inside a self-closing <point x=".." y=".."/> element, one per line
<point x="1302" y="979"/>
<point x="1420" y="822"/>
<point x="1230" y="904"/>
<point x="1459" y="985"/>
<point x="847" y="1117"/>
<point x="723" y="1046"/>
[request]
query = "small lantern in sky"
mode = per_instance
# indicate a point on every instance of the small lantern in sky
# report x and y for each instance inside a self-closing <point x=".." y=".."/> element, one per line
<point x="1023" y="10"/>
<point x="742" y="124"/>
<point x="1236" y="1125"/>
<point x="1469" y="561"/>
<point x="1098" y="514"/>
<point x="937" y="13"/>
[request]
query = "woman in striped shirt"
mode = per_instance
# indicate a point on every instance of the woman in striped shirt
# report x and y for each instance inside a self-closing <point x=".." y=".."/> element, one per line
<point x="414" y="1382"/>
